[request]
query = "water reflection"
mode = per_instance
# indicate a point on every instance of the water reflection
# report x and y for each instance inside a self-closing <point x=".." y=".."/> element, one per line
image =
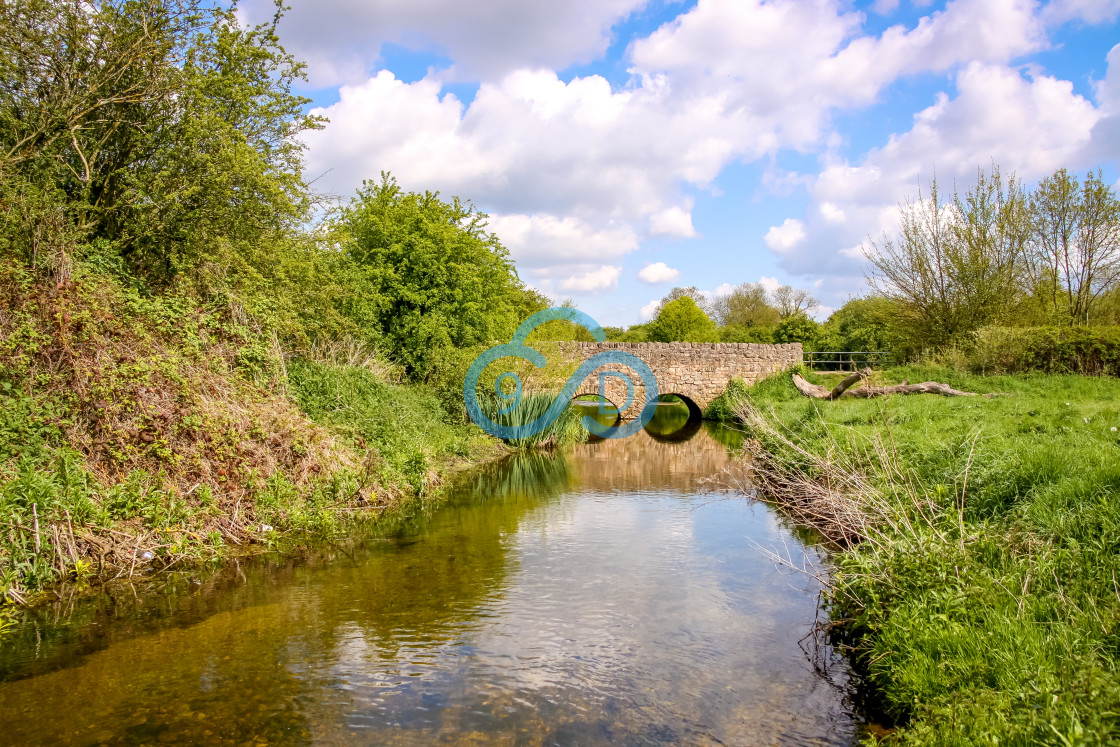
<point x="673" y="422"/>
<point x="598" y="597"/>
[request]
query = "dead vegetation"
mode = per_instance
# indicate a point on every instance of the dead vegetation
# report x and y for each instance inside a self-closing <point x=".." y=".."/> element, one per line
<point x="816" y="391"/>
<point x="153" y="409"/>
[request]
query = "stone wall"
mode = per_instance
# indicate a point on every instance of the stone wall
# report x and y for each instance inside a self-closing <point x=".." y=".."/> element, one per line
<point x="697" y="370"/>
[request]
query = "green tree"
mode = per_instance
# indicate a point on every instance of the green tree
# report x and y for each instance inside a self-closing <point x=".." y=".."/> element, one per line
<point x="634" y="333"/>
<point x="682" y="321"/>
<point x="681" y="291"/>
<point x="740" y="333"/>
<point x="429" y="275"/>
<point x="861" y="324"/>
<point x="799" y="328"/>
<point x="1075" y="244"/>
<point x="747" y="305"/>
<point x="954" y="267"/>
<point x="160" y="129"/>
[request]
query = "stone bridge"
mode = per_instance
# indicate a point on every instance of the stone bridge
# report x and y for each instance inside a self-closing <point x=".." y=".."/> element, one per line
<point x="694" y="371"/>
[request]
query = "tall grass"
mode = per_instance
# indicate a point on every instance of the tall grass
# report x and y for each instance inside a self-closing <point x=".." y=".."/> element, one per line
<point x="976" y="580"/>
<point x="404" y="431"/>
<point x="565" y="430"/>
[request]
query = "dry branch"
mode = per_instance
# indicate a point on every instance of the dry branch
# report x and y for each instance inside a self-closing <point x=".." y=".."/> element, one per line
<point x="816" y="391"/>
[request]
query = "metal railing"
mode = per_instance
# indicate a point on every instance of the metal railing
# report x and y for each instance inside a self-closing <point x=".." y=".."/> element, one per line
<point x="847" y="360"/>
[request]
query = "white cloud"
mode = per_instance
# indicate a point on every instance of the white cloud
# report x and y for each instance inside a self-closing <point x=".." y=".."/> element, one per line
<point x="540" y="240"/>
<point x="1031" y="126"/>
<point x="588" y="168"/>
<point x="658" y="272"/>
<point x="831" y="213"/>
<point x="782" y="66"/>
<point x="770" y="284"/>
<point x="1105" y="143"/>
<point x="674" y="221"/>
<point x="342" y="39"/>
<point x="576" y="172"/>
<point x="594" y="281"/>
<point x="650" y="309"/>
<point x="786" y="236"/>
<point x="1089" y="11"/>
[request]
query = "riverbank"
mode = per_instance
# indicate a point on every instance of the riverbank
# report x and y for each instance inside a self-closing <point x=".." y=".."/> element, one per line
<point x="975" y="582"/>
<point x="141" y="433"/>
<point x="597" y="594"/>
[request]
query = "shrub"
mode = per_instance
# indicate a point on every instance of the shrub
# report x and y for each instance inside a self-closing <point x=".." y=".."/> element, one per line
<point x="741" y="333"/>
<point x="1093" y="351"/>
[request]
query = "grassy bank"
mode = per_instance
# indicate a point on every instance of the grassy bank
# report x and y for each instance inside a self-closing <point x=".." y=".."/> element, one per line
<point x="977" y="577"/>
<point x="143" y="432"/>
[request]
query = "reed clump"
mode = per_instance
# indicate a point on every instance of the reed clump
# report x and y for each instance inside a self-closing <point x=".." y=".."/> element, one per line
<point x="565" y="430"/>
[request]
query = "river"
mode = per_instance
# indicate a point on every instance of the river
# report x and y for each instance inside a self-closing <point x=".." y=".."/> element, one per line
<point x="616" y="593"/>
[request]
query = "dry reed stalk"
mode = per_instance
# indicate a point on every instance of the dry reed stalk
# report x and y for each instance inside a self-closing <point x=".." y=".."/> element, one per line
<point x="833" y="494"/>
<point x="35" y="516"/>
<point x="829" y="502"/>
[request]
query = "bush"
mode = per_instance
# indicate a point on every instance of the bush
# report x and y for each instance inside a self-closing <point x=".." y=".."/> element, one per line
<point x="725" y="407"/>
<point x="742" y="333"/>
<point x="1079" y="350"/>
<point x="405" y="427"/>
<point x="798" y="328"/>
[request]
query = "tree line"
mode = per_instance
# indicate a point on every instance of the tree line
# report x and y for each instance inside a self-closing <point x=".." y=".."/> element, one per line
<point x="155" y="142"/>
<point x="748" y="313"/>
<point x="996" y="255"/>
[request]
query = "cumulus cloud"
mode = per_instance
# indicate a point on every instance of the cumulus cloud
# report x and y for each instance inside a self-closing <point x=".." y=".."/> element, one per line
<point x="674" y="221"/>
<point x="342" y="39"/>
<point x="784" y="65"/>
<point x="658" y="272"/>
<point x="1028" y="125"/>
<point x="594" y="281"/>
<point x="650" y="309"/>
<point x="1089" y="11"/>
<point x="577" y="172"/>
<point x="1105" y="141"/>
<point x="786" y="236"/>
<point x="540" y="240"/>
<point x="831" y="213"/>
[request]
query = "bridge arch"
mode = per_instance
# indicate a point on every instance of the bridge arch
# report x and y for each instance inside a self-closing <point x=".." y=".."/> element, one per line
<point x="696" y="371"/>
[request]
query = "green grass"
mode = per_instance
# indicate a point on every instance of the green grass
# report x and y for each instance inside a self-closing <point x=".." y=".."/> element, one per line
<point x="989" y="613"/>
<point x="404" y="427"/>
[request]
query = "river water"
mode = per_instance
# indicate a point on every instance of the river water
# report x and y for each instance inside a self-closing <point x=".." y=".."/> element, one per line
<point x="614" y="594"/>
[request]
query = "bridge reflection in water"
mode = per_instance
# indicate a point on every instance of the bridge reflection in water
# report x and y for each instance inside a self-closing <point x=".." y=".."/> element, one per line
<point x="595" y="595"/>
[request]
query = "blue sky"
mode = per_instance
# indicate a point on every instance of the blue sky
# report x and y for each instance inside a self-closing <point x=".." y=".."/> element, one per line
<point x="623" y="147"/>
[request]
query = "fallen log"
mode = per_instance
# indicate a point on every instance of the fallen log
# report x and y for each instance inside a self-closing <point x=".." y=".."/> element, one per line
<point x="816" y="391"/>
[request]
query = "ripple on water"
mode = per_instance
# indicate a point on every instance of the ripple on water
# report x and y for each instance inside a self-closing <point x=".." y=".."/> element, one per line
<point x="596" y="598"/>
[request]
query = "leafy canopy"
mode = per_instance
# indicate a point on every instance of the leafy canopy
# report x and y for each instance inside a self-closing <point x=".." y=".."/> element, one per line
<point x="430" y="276"/>
<point x="682" y="321"/>
<point x="160" y="131"/>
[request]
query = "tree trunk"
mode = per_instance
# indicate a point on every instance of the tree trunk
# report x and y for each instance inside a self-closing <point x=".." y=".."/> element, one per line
<point x="816" y="391"/>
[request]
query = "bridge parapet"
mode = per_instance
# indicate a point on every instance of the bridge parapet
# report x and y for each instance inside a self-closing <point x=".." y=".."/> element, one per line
<point x="696" y="370"/>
